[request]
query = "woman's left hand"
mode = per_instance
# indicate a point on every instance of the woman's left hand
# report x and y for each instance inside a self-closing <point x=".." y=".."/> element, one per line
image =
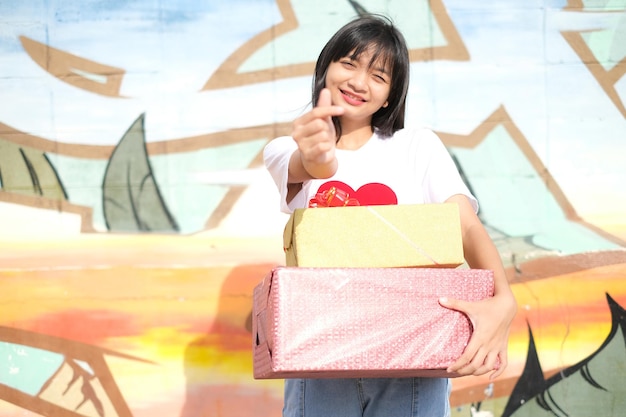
<point x="487" y="349"/>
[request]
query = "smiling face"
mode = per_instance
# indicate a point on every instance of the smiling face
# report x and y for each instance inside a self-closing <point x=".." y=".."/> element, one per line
<point x="360" y="85"/>
<point x="374" y="45"/>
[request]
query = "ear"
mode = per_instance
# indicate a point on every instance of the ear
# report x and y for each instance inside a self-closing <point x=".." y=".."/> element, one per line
<point x="385" y="105"/>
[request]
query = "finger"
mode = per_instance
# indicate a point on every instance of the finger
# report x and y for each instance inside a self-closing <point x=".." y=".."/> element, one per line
<point x="313" y="127"/>
<point x="316" y="141"/>
<point x="489" y="364"/>
<point x="472" y="358"/>
<point x="324" y="99"/>
<point x="468" y="363"/>
<point x="463" y="363"/>
<point x="319" y="113"/>
<point x="470" y="350"/>
<point x="325" y="102"/>
<point x="496" y="373"/>
<point x="452" y="304"/>
<point x="501" y="366"/>
<point x="457" y="305"/>
<point x="316" y="145"/>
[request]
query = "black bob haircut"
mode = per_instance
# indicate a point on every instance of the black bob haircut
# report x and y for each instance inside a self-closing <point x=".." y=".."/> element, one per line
<point x="389" y="49"/>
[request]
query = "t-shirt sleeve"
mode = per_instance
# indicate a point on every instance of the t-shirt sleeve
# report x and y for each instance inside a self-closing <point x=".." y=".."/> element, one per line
<point x="276" y="155"/>
<point x="442" y="179"/>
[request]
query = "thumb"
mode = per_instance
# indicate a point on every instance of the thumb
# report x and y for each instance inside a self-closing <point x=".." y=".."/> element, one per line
<point x="457" y="305"/>
<point x="324" y="98"/>
<point x="453" y="304"/>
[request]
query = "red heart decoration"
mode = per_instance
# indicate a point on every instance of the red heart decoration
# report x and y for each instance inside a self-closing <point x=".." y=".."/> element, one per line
<point x="371" y="194"/>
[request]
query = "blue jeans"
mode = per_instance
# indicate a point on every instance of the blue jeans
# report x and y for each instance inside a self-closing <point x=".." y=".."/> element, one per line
<point x="367" y="397"/>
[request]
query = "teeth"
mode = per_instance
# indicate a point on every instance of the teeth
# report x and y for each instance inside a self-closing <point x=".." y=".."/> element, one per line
<point x="351" y="96"/>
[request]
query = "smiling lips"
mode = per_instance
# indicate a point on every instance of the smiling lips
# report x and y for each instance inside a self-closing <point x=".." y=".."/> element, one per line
<point x="352" y="98"/>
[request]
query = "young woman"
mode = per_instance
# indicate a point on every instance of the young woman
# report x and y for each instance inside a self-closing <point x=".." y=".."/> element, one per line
<point x="354" y="135"/>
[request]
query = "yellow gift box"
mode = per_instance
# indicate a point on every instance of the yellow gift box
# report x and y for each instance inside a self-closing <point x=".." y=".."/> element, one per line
<point x="415" y="235"/>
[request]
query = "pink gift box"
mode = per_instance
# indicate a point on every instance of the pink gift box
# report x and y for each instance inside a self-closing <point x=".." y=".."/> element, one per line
<point x="362" y="322"/>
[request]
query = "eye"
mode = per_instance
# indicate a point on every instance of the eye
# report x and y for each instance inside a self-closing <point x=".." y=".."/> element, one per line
<point x="380" y="78"/>
<point x="347" y="63"/>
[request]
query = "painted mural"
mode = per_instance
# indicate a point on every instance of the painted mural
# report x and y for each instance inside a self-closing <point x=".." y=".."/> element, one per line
<point x="136" y="217"/>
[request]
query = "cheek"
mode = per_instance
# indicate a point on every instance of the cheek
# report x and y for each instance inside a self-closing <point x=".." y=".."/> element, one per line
<point x="383" y="93"/>
<point x="331" y="74"/>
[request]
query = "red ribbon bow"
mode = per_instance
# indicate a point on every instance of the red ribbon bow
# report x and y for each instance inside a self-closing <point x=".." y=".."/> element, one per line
<point x="333" y="197"/>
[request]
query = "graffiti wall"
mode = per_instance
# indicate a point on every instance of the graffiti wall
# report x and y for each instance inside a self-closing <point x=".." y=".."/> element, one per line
<point x="136" y="217"/>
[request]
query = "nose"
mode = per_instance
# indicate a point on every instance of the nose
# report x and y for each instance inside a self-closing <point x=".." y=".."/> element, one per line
<point x="358" y="81"/>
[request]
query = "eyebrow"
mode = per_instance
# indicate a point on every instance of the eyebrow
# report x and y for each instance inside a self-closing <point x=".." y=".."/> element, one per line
<point x="381" y="69"/>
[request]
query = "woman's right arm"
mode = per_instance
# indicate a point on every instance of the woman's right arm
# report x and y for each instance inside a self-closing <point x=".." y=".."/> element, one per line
<point x="309" y="152"/>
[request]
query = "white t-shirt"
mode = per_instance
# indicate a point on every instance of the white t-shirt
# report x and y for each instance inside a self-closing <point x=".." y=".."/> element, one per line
<point x="413" y="164"/>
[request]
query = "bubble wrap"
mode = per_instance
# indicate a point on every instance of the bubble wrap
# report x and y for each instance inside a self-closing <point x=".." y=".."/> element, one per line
<point x="361" y="322"/>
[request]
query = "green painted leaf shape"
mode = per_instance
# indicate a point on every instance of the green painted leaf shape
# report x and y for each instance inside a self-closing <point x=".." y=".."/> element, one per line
<point x="130" y="195"/>
<point x="28" y="171"/>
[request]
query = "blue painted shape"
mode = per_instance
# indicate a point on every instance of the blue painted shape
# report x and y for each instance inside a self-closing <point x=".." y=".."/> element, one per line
<point x="25" y="368"/>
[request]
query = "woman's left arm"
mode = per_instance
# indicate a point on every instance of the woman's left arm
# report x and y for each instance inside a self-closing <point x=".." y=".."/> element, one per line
<point x="492" y="317"/>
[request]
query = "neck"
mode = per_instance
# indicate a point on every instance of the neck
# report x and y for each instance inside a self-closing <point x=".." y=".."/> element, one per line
<point x="354" y="138"/>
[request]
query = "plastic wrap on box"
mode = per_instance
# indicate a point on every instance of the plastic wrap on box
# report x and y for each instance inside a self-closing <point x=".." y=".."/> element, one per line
<point x="361" y="322"/>
<point x="427" y="235"/>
